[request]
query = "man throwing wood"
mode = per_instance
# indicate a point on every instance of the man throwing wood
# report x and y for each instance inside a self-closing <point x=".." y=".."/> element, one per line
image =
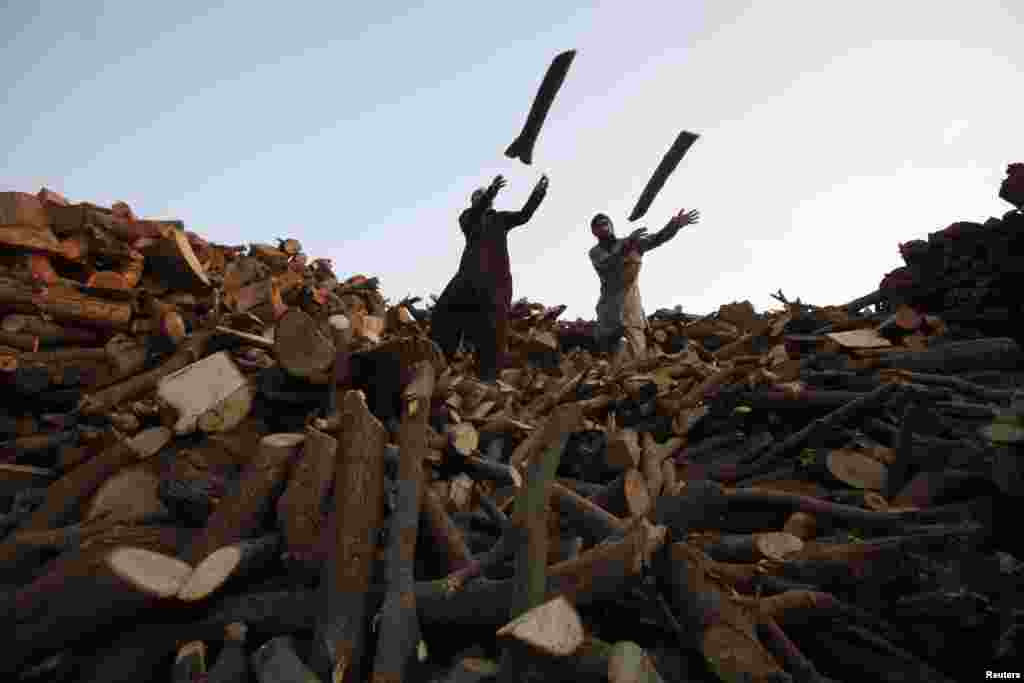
<point x="476" y="302"/>
<point x="617" y="262"/>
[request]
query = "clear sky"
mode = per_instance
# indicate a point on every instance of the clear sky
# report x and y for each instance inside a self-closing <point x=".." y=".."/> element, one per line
<point x="830" y="131"/>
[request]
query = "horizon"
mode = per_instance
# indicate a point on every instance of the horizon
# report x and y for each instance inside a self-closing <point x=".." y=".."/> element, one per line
<point x="828" y="133"/>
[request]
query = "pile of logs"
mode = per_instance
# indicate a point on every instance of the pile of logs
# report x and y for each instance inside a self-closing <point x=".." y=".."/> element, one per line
<point x="226" y="464"/>
<point x="969" y="272"/>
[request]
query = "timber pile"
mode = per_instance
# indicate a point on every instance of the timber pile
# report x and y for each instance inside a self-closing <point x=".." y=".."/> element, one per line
<point x="226" y="462"/>
<point x="969" y="272"/>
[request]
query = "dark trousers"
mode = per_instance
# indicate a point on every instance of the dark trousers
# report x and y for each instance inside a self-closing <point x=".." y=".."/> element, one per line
<point x="478" y="314"/>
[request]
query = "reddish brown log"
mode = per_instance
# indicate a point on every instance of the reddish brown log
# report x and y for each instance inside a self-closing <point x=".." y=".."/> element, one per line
<point x="241" y="514"/>
<point x="357" y="518"/>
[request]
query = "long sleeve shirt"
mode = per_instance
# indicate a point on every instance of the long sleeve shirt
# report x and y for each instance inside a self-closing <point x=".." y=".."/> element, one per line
<point x="485" y="259"/>
<point x="619" y="304"/>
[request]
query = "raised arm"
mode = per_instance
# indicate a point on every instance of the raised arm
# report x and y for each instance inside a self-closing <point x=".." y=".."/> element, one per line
<point x="671" y="229"/>
<point x="513" y="219"/>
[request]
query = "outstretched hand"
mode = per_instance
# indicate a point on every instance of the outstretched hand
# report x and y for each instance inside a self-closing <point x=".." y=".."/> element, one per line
<point x="496" y="186"/>
<point x="684" y="218"/>
<point x="542" y="185"/>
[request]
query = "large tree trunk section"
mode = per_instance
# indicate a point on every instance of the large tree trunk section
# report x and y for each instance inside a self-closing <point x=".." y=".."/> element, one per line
<point x="398" y="623"/>
<point x="300" y="507"/>
<point x="303" y="347"/>
<point x="241" y="514"/>
<point x="357" y="518"/>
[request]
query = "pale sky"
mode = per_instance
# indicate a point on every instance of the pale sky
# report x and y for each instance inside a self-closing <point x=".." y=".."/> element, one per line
<point x="830" y="131"/>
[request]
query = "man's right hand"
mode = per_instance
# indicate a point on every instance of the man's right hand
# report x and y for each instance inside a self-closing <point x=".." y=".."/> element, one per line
<point x="496" y="186"/>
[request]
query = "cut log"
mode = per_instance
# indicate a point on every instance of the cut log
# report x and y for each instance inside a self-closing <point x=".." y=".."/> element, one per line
<point x="190" y="663"/>
<point x="232" y="665"/>
<point x="277" y="662"/>
<point x="551" y="629"/>
<point x="230" y="562"/>
<point x="81" y="591"/>
<point x="627" y="496"/>
<point x="49" y="333"/>
<point x="241" y="513"/>
<point x="996" y="353"/>
<point x="300" y="507"/>
<point x="801" y="525"/>
<point x="448" y="538"/>
<point x="584" y="517"/>
<point x="398" y="623"/>
<point x="229" y="413"/>
<point x="106" y="399"/>
<point x="856" y="470"/>
<point x="172" y="259"/>
<point x="200" y="387"/>
<point x="725" y="632"/>
<point x="128" y="496"/>
<point x="607" y="569"/>
<point x="623" y="450"/>
<point x="303" y="348"/>
<point x="775" y="545"/>
<point x="340" y="629"/>
<point x="65" y="305"/>
<point x="62" y="499"/>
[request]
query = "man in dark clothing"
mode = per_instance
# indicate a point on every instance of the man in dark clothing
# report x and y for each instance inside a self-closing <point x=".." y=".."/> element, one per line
<point x="477" y="300"/>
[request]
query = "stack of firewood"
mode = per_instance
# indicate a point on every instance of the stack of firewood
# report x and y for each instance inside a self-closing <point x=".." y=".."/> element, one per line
<point x="969" y="272"/>
<point x="227" y="462"/>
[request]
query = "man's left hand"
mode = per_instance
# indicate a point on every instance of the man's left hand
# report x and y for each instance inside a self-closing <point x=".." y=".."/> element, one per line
<point x="684" y="218"/>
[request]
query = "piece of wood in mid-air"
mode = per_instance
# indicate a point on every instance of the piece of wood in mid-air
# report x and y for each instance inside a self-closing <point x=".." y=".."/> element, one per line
<point x="665" y="168"/>
<point x="522" y="147"/>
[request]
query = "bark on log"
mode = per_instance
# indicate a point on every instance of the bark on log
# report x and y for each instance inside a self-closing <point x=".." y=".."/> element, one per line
<point x="998" y="353"/>
<point x="300" y="509"/>
<point x="448" y="538"/>
<point x="277" y="662"/>
<point x="399" y="626"/>
<point x="242" y="513"/>
<point x="232" y="665"/>
<point x="627" y="496"/>
<point x="586" y="518"/>
<point x="358" y="515"/>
